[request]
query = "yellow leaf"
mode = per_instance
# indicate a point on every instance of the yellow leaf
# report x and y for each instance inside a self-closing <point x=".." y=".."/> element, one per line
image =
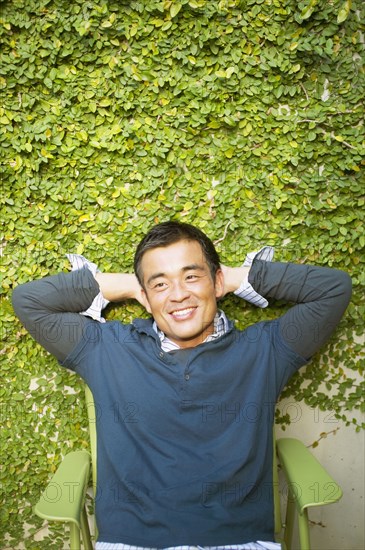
<point x="250" y="194"/>
<point x="46" y="153"/>
<point x="230" y="71"/>
<point x="16" y="163"/>
<point x="113" y="61"/>
<point x="188" y="206"/>
<point x="229" y="153"/>
<point x="100" y="240"/>
<point x="247" y="130"/>
<point x="278" y="204"/>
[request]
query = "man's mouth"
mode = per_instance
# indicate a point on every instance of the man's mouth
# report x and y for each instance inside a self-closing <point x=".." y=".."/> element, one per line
<point x="182" y="313"/>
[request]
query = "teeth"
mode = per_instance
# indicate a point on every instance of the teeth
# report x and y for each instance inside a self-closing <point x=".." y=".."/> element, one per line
<point x="182" y="312"/>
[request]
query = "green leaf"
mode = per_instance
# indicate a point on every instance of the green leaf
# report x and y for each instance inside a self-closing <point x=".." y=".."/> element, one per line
<point x="309" y="9"/>
<point x="175" y="8"/>
<point x="18" y="397"/>
<point x="344" y="11"/>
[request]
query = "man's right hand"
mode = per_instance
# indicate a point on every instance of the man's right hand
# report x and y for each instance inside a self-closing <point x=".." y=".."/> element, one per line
<point x="117" y="287"/>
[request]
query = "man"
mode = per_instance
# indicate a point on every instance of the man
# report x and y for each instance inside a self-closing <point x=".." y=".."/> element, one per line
<point x="186" y="400"/>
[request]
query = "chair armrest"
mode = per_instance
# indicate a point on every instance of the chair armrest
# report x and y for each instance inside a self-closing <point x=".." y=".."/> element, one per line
<point x="308" y="481"/>
<point x="64" y="496"/>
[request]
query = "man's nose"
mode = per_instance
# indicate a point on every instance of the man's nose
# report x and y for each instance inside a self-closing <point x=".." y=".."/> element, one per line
<point x="179" y="292"/>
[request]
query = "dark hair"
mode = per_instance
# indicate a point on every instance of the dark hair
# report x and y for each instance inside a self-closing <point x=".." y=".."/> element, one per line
<point x="166" y="233"/>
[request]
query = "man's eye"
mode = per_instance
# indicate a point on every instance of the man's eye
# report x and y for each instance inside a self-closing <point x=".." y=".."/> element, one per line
<point x="160" y="285"/>
<point x="191" y="277"/>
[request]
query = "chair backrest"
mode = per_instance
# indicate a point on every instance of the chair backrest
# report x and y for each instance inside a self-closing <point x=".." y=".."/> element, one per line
<point x="92" y="414"/>
<point x="276" y="493"/>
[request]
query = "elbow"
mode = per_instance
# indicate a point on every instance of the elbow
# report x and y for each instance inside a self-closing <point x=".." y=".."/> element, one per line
<point x="18" y="298"/>
<point x="346" y="284"/>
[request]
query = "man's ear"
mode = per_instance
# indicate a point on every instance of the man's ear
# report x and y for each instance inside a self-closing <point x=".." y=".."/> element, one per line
<point x="219" y="284"/>
<point x="145" y="301"/>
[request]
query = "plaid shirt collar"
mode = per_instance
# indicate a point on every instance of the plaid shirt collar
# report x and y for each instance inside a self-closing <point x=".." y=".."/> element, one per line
<point x="221" y="326"/>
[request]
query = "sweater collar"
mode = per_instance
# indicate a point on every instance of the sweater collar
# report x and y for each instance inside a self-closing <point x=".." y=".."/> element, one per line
<point x="222" y="325"/>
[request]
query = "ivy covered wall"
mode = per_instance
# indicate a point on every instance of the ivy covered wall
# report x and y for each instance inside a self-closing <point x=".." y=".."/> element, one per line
<point x="244" y="117"/>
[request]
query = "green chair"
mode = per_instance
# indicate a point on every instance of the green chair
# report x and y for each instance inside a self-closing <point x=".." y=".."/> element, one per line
<point x="308" y="485"/>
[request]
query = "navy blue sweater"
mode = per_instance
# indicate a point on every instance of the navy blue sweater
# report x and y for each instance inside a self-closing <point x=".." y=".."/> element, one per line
<point x="185" y="438"/>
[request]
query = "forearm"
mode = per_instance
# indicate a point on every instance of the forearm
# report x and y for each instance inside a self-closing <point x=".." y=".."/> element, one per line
<point x="321" y="296"/>
<point x="64" y="292"/>
<point x="233" y="277"/>
<point x="117" y="287"/>
<point x="236" y="279"/>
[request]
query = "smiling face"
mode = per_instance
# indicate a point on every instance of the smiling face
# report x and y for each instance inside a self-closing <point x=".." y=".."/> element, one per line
<point x="180" y="292"/>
